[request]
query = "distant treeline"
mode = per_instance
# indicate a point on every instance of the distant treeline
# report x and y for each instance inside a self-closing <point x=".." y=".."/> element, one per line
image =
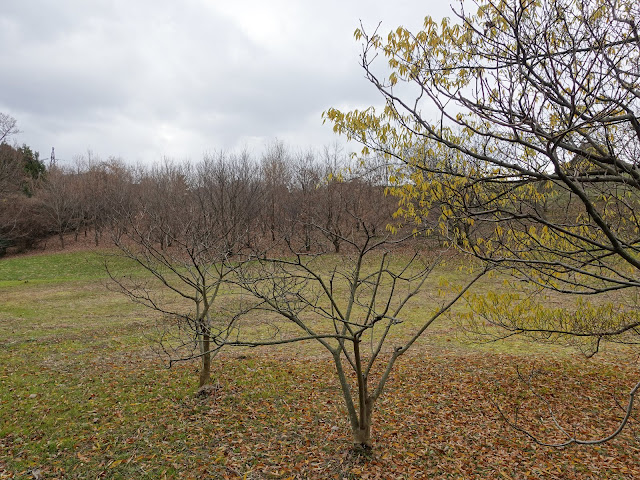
<point x="297" y="197"/>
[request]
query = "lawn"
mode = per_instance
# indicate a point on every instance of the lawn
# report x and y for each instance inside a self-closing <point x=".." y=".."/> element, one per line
<point x="82" y="395"/>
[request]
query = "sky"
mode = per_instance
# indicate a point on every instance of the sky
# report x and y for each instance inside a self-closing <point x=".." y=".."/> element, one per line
<point x="144" y="80"/>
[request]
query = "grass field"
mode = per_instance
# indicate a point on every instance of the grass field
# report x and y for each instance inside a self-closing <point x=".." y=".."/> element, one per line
<point x="82" y="395"/>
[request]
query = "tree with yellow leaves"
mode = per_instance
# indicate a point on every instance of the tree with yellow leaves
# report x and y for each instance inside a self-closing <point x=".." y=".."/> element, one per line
<point x="519" y="124"/>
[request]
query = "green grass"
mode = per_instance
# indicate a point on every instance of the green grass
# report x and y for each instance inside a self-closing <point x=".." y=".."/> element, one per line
<point x="82" y="395"/>
<point x="59" y="268"/>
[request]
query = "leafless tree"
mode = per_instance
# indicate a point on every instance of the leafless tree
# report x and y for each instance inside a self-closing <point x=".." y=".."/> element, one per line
<point x="306" y="181"/>
<point x="352" y="304"/>
<point x="104" y="189"/>
<point x="276" y="178"/>
<point x="61" y="202"/>
<point x="190" y="240"/>
<point x="8" y="127"/>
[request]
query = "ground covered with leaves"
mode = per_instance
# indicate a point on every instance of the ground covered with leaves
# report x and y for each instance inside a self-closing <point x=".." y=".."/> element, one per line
<point x="82" y="396"/>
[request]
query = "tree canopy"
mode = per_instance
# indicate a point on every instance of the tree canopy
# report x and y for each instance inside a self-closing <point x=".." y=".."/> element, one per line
<point x="518" y="124"/>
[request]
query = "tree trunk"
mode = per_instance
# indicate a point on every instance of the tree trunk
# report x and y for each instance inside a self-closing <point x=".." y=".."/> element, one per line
<point x="205" y="372"/>
<point x="362" y="435"/>
<point x="307" y="238"/>
<point x="362" y="432"/>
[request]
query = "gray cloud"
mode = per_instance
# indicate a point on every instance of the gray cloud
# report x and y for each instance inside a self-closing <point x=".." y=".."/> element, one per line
<point x="146" y="79"/>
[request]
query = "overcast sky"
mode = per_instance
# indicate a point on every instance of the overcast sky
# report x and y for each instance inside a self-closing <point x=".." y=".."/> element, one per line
<point x="142" y="79"/>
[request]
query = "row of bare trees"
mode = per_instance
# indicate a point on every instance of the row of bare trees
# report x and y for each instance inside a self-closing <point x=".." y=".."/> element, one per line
<point x="58" y="201"/>
<point x="240" y="253"/>
<point x="95" y="196"/>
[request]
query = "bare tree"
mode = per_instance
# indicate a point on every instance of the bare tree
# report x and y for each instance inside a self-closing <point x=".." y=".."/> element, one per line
<point x="8" y="127"/>
<point x="276" y="178"/>
<point x="352" y="304"/>
<point x="61" y="202"/>
<point x="306" y="180"/>
<point x="539" y="103"/>
<point x="21" y="223"/>
<point x="104" y="188"/>
<point x="164" y="193"/>
<point x="189" y="240"/>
